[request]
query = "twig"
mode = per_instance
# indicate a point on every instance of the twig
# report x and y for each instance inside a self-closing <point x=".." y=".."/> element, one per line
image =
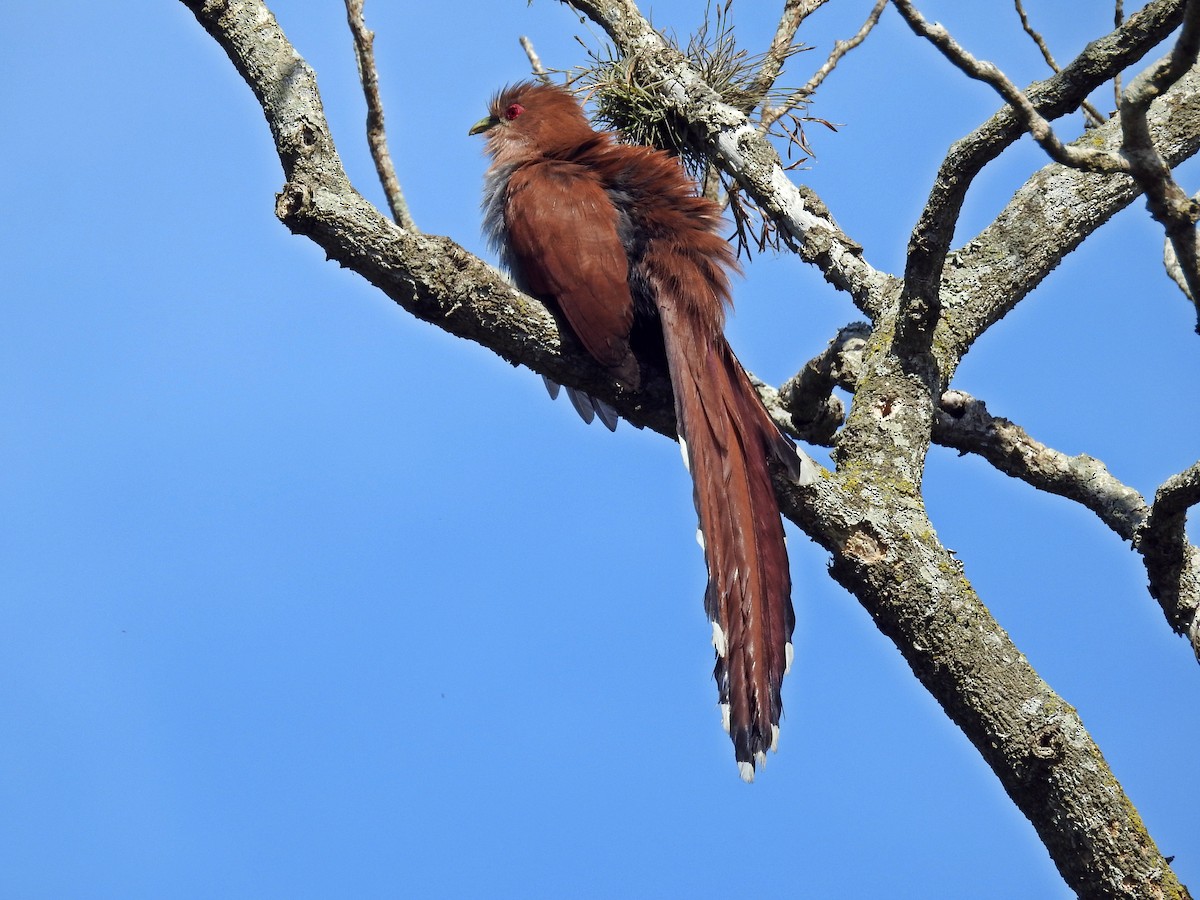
<point x="1090" y="111"/>
<point x="364" y="53"/>
<point x="535" y="62"/>
<point x="840" y="49"/>
<point x="987" y="72"/>
<point x="794" y="12"/>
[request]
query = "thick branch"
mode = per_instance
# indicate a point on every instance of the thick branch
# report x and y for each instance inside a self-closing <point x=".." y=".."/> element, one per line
<point x="1051" y="215"/>
<point x="1172" y="563"/>
<point x="885" y="551"/>
<point x="1101" y="60"/>
<point x="808" y="396"/>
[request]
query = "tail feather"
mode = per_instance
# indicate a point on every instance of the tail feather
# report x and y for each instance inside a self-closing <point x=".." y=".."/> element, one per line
<point x="729" y="439"/>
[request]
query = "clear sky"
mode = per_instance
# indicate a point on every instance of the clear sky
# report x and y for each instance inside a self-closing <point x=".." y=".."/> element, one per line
<point x="300" y="597"/>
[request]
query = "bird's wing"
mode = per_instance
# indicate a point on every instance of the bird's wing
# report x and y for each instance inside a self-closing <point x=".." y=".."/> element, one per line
<point x="564" y="239"/>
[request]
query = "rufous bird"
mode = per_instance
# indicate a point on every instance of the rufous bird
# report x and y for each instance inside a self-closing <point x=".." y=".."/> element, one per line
<point x="616" y="240"/>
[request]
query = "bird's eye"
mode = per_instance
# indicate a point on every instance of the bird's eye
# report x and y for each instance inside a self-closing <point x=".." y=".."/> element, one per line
<point x="513" y="110"/>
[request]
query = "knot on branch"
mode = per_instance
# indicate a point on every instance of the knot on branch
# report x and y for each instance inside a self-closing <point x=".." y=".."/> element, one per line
<point x="293" y="203"/>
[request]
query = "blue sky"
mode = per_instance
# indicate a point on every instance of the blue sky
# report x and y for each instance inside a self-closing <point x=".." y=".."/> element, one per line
<point x="300" y="597"/>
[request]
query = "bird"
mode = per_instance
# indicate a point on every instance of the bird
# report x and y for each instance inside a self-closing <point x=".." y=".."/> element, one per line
<point x="616" y="240"/>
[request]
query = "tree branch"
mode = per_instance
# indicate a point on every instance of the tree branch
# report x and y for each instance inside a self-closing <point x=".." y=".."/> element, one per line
<point x="1172" y="563"/>
<point x="1101" y="60"/>
<point x="1166" y="200"/>
<point x="364" y="53"/>
<point x="808" y="397"/>
<point x="1094" y="115"/>
<point x="964" y="424"/>
<point x="1156" y="532"/>
<point x="1079" y="156"/>
<point x="794" y="12"/>
<point x="840" y="49"/>
<point x="1051" y="215"/>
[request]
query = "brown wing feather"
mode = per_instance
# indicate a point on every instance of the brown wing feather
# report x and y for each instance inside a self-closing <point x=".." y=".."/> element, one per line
<point x="562" y="232"/>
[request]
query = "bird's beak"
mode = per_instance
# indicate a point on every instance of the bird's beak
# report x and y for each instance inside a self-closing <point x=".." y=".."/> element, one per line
<point x="484" y="124"/>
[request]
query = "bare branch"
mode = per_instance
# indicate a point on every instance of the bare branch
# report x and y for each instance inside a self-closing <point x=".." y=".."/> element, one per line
<point x="1031" y="236"/>
<point x="1179" y="492"/>
<point x="885" y="549"/>
<point x="1166" y="200"/>
<point x="1090" y="111"/>
<point x="1172" y="563"/>
<point x="1176" y="273"/>
<point x="840" y="49"/>
<point x="1100" y="61"/>
<point x="964" y="424"/>
<point x="1156" y="532"/>
<point x="794" y="12"/>
<point x="364" y="53"/>
<point x="1118" y="20"/>
<point x="535" y="62"/>
<point x="1079" y="157"/>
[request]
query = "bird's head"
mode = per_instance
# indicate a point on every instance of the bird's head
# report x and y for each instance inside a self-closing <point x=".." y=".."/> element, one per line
<point x="529" y="120"/>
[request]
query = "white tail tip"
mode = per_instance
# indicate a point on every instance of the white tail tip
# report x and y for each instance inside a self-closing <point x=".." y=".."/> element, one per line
<point x="746" y="770"/>
<point x="719" y="641"/>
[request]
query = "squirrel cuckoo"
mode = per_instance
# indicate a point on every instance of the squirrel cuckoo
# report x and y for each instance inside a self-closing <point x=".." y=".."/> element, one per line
<point x="615" y="238"/>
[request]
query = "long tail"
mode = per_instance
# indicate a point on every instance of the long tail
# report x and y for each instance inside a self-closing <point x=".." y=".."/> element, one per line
<point x="726" y="437"/>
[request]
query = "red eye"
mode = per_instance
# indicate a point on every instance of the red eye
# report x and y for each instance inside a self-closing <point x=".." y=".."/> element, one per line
<point x="514" y="110"/>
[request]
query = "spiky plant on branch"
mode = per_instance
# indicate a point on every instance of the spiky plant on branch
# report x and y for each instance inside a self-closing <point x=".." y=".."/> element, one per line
<point x="618" y="86"/>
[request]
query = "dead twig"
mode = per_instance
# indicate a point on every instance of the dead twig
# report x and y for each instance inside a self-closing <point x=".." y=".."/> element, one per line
<point x="840" y="49"/>
<point x="364" y="53"/>
<point x="535" y="62"/>
<point x="1093" y="114"/>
